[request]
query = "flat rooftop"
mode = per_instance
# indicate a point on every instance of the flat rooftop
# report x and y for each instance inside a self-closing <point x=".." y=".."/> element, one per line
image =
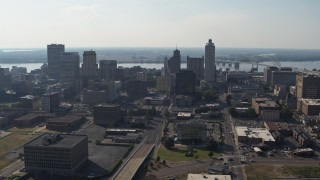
<point x="65" y="119"/>
<point x="31" y="116"/>
<point x="66" y="141"/>
<point x="311" y="101"/>
<point x="262" y="133"/>
<point x="208" y="177"/>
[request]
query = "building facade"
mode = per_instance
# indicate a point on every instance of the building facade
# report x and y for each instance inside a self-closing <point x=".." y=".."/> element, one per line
<point x="54" y="52"/>
<point x="56" y="154"/>
<point x="50" y="101"/>
<point x="196" y="65"/>
<point x="308" y="86"/>
<point x="266" y="108"/>
<point x="174" y="63"/>
<point x="192" y="132"/>
<point x="107" y="69"/>
<point x="89" y="68"/>
<point x="70" y="68"/>
<point x="107" y="115"/>
<point x="185" y="82"/>
<point x="210" y="67"/>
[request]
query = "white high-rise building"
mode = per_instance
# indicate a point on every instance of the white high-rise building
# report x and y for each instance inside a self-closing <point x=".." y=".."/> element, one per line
<point x="210" y="67"/>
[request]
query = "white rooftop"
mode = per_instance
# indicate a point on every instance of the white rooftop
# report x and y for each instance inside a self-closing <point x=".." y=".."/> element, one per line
<point x="208" y="177"/>
<point x="262" y="133"/>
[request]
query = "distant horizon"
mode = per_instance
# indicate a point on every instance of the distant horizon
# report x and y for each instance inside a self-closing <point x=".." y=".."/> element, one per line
<point x="183" y="47"/>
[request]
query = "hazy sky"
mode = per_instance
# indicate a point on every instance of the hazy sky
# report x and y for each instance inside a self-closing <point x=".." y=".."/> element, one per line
<point x="160" y="23"/>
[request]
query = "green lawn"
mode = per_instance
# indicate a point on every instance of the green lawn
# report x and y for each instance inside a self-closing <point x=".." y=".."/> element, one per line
<point x="178" y="154"/>
<point x="262" y="171"/>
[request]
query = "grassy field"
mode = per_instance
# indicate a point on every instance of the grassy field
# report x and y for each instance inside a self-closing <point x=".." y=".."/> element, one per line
<point x="178" y="154"/>
<point x="22" y="130"/>
<point x="12" y="141"/>
<point x="261" y="171"/>
<point x="4" y="163"/>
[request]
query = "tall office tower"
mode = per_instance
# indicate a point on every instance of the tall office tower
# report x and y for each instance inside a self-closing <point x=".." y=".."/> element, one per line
<point x="308" y="86"/>
<point x="196" y="65"/>
<point x="174" y="62"/>
<point x="267" y="74"/>
<point x="54" y="52"/>
<point x="69" y="68"/>
<point x="210" y="67"/>
<point x="89" y="67"/>
<point x="107" y="69"/>
<point x="185" y="82"/>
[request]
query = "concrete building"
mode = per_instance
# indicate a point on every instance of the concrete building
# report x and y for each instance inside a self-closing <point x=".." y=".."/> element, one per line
<point x="301" y="136"/>
<point x="267" y="76"/>
<point x="210" y="67"/>
<point x="89" y="68"/>
<point x="310" y="107"/>
<point x="107" y="69"/>
<point x="164" y="84"/>
<point x="266" y="108"/>
<point x="254" y="135"/>
<point x="141" y="76"/>
<point x="308" y="86"/>
<point x="65" y="123"/>
<point x="54" y="52"/>
<point x="280" y="91"/>
<point x="70" y="68"/>
<point x="107" y="115"/>
<point x="286" y="78"/>
<point x="174" y="63"/>
<point x="56" y="154"/>
<point x="94" y="97"/>
<point x="196" y="65"/>
<point x="185" y="82"/>
<point x="137" y="88"/>
<point x="192" y="132"/>
<point x="203" y="176"/>
<point x="49" y="102"/>
<point x="31" y="119"/>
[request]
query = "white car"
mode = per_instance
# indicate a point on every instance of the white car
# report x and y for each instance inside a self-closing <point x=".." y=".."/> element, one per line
<point x="252" y="160"/>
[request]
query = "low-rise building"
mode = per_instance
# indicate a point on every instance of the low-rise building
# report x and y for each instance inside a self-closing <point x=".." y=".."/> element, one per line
<point x="156" y="101"/>
<point x="56" y="154"/>
<point x="184" y="116"/>
<point x="266" y="108"/>
<point x="65" y="123"/>
<point x="281" y="127"/>
<point x="203" y="176"/>
<point x="31" y="119"/>
<point x="192" y="132"/>
<point x="310" y="106"/>
<point x="254" y="135"/>
<point x="301" y="137"/>
<point x="107" y="115"/>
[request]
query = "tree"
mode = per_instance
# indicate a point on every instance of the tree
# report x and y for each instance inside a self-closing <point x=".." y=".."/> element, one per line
<point x="169" y="143"/>
<point x="209" y="95"/>
<point x="233" y="112"/>
<point x="211" y="145"/>
<point x="158" y="158"/>
<point x="251" y="113"/>
<point x="166" y="114"/>
<point x="164" y="162"/>
<point x="151" y="164"/>
<point x="285" y="113"/>
<point x="210" y="154"/>
<point x="228" y="99"/>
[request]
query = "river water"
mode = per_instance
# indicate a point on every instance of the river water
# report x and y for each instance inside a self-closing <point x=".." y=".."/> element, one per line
<point x="243" y="67"/>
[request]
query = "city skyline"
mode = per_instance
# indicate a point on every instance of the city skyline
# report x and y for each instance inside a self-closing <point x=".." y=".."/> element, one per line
<point x="83" y="23"/>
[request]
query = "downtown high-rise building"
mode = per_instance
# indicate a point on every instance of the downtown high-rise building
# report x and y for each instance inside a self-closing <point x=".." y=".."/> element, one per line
<point x="210" y="67"/>
<point x="70" y="68"/>
<point x="174" y="63"/>
<point x="107" y="69"/>
<point x="54" y="52"/>
<point x="196" y="65"/>
<point x="89" y="68"/>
